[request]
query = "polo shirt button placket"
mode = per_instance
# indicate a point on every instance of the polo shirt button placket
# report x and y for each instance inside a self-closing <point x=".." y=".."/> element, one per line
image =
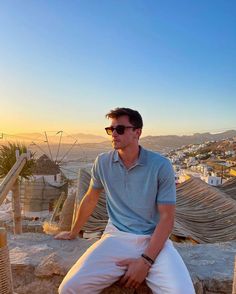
<point x="126" y="177"/>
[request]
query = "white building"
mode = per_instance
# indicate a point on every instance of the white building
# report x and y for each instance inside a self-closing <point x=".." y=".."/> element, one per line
<point x="212" y="180"/>
<point x="47" y="169"/>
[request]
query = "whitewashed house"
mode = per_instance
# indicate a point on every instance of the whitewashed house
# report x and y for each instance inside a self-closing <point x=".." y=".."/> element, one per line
<point x="212" y="180"/>
<point x="47" y="169"/>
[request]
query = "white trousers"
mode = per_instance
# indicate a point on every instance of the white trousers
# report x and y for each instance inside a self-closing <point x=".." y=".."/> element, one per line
<point x="97" y="269"/>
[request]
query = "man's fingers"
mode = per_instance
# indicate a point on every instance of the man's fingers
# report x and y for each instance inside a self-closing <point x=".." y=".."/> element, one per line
<point x="131" y="284"/>
<point x="63" y="236"/>
<point x="124" y="262"/>
<point x="128" y="283"/>
<point x="134" y="285"/>
<point x="59" y="236"/>
<point x="123" y="279"/>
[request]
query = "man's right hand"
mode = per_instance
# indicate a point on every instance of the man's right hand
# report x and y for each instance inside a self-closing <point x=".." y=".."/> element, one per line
<point x="65" y="235"/>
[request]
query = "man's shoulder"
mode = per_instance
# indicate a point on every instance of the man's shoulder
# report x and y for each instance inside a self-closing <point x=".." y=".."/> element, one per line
<point x="104" y="156"/>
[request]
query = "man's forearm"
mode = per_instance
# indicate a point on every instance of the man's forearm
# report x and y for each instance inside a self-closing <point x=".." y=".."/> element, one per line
<point x="158" y="239"/>
<point x="161" y="232"/>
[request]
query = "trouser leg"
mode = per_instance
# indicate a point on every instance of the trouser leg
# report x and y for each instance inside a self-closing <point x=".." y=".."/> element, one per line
<point x="93" y="272"/>
<point x="97" y="268"/>
<point x="169" y="274"/>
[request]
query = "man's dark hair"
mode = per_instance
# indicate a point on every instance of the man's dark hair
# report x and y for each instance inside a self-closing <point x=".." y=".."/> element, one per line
<point x="134" y="116"/>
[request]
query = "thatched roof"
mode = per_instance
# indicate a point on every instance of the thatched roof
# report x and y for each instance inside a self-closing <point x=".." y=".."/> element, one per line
<point x="45" y="166"/>
<point x="204" y="213"/>
<point x="229" y="188"/>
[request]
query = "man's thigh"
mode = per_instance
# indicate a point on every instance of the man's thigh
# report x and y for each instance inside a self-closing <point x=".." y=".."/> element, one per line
<point x="169" y="273"/>
<point x="97" y="269"/>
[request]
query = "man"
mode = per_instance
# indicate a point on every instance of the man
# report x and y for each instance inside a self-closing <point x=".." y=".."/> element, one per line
<point x="140" y="191"/>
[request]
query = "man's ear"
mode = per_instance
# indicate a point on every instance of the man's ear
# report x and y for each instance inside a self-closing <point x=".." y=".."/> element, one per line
<point x="139" y="132"/>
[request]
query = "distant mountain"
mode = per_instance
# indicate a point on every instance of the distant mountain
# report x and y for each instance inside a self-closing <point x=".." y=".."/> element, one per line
<point x="28" y="134"/>
<point x="172" y="141"/>
<point x="166" y="143"/>
<point x="54" y="138"/>
<point x="158" y="143"/>
<point x="89" y="138"/>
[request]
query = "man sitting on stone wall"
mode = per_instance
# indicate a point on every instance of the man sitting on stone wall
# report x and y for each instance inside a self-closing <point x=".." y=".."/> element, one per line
<point x="140" y="191"/>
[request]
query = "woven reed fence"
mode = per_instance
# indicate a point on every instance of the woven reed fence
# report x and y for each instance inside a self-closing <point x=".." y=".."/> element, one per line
<point x="5" y="267"/>
<point x="204" y="213"/>
<point x="229" y="188"/>
<point x="98" y="220"/>
<point x="66" y="215"/>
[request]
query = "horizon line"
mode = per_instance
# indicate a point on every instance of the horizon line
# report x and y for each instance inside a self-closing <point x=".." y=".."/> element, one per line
<point x="212" y="132"/>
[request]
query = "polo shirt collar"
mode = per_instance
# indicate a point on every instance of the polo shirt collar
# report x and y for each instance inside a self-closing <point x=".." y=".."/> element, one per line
<point x="141" y="160"/>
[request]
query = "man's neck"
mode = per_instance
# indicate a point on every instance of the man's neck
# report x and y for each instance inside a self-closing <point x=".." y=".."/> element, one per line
<point x="129" y="156"/>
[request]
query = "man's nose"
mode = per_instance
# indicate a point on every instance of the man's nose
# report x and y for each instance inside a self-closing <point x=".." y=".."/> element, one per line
<point x="114" y="133"/>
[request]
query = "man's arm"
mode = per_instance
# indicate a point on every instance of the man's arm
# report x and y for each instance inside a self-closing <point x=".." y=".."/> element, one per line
<point x="85" y="209"/>
<point x="137" y="269"/>
<point x="162" y="231"/>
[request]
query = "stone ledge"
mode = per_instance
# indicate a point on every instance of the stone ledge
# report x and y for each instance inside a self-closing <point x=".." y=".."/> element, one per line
<point x="39" y="262"/>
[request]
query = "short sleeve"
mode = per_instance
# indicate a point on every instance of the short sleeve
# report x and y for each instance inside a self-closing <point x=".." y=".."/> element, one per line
<point x="95" y="181"/>
<point x="166" y="184"/>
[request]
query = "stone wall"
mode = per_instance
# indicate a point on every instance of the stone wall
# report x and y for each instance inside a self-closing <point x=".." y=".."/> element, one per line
<point x="39" y="264"/>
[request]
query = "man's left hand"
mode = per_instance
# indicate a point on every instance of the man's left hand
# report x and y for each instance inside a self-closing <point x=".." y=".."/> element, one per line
<point x="136" y="272"/>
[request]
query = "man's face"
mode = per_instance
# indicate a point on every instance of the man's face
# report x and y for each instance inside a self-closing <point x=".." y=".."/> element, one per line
<point x="130" y="136"/>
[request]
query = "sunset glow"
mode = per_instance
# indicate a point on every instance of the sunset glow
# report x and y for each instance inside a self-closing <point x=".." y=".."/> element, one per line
<point x="65" y="66"/>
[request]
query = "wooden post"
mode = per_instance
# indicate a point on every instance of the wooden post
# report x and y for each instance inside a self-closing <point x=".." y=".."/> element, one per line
<point x="3" y="237"/>
<point x="234" y="278"/>
<point x="11" y="177"/>
<point x="10" y="182"/>
<point x="5" y="267"/>
<point x="17" y="154"/>
<point x="16" y="208"/>
<point x="57" y="207"/>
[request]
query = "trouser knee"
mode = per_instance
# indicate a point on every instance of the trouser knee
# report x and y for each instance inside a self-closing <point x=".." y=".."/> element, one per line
<point x="71" y="288"/>
<point x="173" y="287"/>
<point x="182" y="288"/>
<point x="63" y="289"/>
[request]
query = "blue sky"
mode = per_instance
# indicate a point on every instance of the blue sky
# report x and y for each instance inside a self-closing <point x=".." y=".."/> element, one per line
<point x="65" y="64"/>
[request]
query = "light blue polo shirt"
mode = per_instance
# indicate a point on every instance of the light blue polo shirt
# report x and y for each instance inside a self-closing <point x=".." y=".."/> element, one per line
<point x="133" y="194"/>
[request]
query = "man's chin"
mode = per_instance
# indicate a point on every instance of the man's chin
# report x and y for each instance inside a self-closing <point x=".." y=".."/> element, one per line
<point x="115" y="146"/>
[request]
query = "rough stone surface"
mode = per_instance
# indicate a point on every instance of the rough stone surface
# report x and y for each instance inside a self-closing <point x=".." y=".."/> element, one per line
<point x="39" y="264"/>
<point x="27" y="226"/>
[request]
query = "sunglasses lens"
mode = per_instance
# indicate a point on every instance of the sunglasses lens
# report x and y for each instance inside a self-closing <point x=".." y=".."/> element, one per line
<point x="109" y="130"/>
<point x="120" y="130"/>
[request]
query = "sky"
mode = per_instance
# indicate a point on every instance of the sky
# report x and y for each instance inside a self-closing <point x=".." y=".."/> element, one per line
<point x="65" y="64"/>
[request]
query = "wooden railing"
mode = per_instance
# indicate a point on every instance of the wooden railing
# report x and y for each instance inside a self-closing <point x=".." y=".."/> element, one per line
<point x="10" y="182"/>
<point x="6" y="286"/>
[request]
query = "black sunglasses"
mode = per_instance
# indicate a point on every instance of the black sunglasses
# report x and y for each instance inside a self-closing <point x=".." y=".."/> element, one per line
<point x="120" y="129"/>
